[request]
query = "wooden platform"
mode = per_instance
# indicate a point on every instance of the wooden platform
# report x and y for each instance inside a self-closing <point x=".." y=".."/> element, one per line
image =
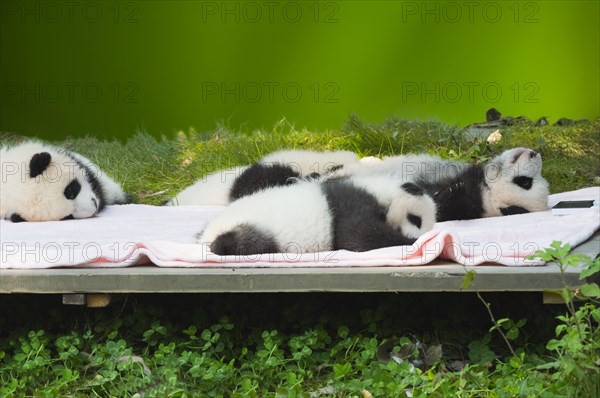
<point x="440" y="276"/>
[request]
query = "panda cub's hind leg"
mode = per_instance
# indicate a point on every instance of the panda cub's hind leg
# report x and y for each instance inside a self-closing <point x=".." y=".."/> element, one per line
<point x="242" y="240"/>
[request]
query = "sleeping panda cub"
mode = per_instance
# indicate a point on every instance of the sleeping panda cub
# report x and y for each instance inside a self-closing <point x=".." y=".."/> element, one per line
<point x="42" y="182"/>
<point x="356" y="214"/>
<point x="510" y="183"/>
<point x="277" y="169"/>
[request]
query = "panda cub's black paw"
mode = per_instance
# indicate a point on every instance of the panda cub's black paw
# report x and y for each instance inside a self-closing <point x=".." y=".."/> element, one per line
<point x="17" y="218"/>
<point x="413" y="189"/>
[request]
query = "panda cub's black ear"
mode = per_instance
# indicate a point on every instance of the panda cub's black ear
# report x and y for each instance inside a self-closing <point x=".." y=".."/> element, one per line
<point x="38" y="163"/>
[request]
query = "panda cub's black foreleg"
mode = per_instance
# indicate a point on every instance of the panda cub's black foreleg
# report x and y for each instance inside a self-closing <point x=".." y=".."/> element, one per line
<point x="260" y="176"/>
<point x="458" y="198"/>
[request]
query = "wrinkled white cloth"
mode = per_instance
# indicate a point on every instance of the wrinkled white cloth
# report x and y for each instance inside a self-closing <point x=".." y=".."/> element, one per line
<point x="165" y="236"/>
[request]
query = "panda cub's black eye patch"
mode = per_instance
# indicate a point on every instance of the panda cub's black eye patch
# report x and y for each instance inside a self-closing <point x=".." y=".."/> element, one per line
<point x="415" y="220"/>
<point x="523" y="182"/>
<point x="72" y="190"/>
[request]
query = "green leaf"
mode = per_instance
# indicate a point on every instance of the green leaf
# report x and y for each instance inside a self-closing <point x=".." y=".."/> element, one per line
<point x="594" y="268"/>
<point x="560" y="248"/>
<point x="190" y="331"/>
<point x="343" y="331"/>
<point x="566" y="294"/>
<point x="549" y="365"/>
<point x="206" y="334"/>
<point x="291" y="378"/>
<point x="590" y="290"/>
<point x="515" y="362"/>
<point x="512" y="333"/>
<point x="341" y="370"/>
<point x="467" y="280"/>
<point x="553" y="344"/>
<point x="596" y="314"/>
<point x="20" y="357"/>
<point x="480" y="353"/>
<point x="67" y="374"/>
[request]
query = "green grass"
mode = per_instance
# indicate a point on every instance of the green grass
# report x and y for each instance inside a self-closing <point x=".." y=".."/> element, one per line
<point x="292" y="345"/>
<point x="156" y="169"/>
<point x="308" y="345"/>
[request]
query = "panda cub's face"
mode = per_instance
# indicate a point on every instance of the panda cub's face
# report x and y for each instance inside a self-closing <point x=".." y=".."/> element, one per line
<point x="55" y="187"/>
<point x="515" y="184"/>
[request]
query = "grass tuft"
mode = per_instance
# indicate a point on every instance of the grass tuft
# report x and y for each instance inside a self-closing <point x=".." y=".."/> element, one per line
<point x="156" y="169"/>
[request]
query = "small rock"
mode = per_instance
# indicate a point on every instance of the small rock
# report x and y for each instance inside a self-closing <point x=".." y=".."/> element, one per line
<point x="328" y="390"/>
<point x="563" y="121"/>
<point x="455" y="366"/>
<point x="492" y="115"/>
<point x="543" y="121"/>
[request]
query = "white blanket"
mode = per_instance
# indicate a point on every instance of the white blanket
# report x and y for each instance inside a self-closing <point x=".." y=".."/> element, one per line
<point x="136" y="234"/>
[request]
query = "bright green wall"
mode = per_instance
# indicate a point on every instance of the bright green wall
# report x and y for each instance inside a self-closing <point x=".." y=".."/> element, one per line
<point x="109" y="68"/>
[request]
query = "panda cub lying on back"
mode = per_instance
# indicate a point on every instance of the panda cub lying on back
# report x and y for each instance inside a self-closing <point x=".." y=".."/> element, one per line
<point x="355" y="213"/>
<point x="42" y="182"/>
<point x="276" y="169"/>
<point x="369" y="207"/>
<point x="510" y="183"/>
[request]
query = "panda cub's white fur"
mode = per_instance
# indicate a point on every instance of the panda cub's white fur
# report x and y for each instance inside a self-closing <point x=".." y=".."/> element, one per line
<point x="306" y="163"/>
<point x="356" y="214"/>
<point x="224" y="186"/>
<point x="297" y="215"/>
<point x="212" y="189"/>
<point x="41" y="182"/>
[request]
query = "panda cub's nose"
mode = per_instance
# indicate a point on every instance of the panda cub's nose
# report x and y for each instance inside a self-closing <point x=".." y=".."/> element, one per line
<point x="532" y="154"/>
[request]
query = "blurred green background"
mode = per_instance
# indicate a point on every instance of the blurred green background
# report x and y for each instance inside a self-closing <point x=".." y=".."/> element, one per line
<point x="108" y="68"/>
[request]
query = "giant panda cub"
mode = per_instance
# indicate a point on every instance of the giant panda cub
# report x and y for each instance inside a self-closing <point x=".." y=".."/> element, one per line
<point x="42" y="182"/>
<point x="510" y="183"/>
<point x="276" y="169"/>
<point x="354" y="213"/>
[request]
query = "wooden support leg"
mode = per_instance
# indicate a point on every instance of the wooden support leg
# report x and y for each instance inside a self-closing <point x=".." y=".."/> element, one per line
<point x="73" y="299"/>
<point x="98" y="300"/>
<point x="91" y="300"/>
